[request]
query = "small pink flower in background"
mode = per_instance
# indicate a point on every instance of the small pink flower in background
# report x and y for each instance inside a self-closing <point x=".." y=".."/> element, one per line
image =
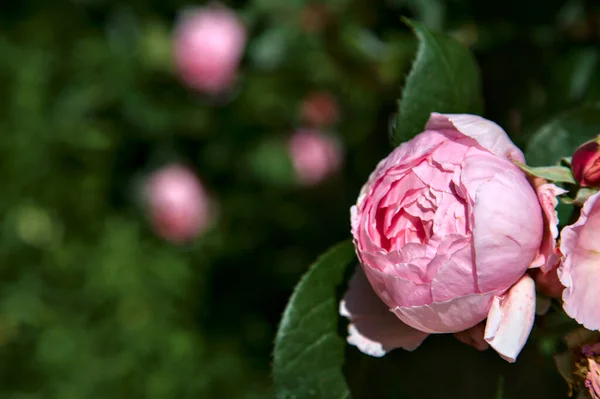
<point x="445" y="229"/>
<point x="319" y="109"/>
<point x="315" y="156"/>
<point x="579" y="271"/>
<point x="208" y="46"/>
<point x="179" y="207"/>
<point x="586" y="164"/>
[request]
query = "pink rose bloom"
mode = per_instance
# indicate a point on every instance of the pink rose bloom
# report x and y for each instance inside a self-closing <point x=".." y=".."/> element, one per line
<point x="315" y="156"/>
<point x="208" y="45"/>
<point x="579" y="271"/>
<point x="178" y="204"/>
<point x="445" y="229"/>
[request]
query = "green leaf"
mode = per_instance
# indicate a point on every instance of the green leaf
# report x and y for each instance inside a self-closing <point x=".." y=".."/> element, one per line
<point x="583" y="194"/>
<point x="563" y="135"/>
<point x="444" y="78"/>
<point x="553" y="173"/>
<point x="309" y="353"/>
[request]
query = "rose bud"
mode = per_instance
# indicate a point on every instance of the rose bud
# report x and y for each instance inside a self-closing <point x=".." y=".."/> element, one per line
<point x="208" y="45"/>
<point x="579" y="271"/>
<point x="315" y="156"/>
<point x="586" y="164"/>
<point x="178" y="206"/>
<point x="319" y="109"/>
<point x="445" y="230"/>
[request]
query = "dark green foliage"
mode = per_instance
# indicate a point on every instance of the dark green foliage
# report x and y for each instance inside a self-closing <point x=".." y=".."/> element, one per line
<point x="309" y="355"/>
<point x="444" y="78"/>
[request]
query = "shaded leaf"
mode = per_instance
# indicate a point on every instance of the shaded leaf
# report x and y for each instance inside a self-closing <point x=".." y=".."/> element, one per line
<point x="582" y="195"/>
<point x="444" y="78"/>
<point x="552" y="173"/>
<point x="309" y="354"/>
<point x="563" y="135"/>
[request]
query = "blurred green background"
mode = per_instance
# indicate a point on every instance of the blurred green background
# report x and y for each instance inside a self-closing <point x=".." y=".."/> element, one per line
<point x="92" y="303"/>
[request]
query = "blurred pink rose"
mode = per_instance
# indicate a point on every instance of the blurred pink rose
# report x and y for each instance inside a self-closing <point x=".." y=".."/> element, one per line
<point x="208" y="45"/>
<point x="319" y="109"/>
<point x="586" y="164"/>
<point x="314" y="155"/>
<point x="445" y="226"/>
<point x="178" y="204"/>
<point x="579" y="271"/>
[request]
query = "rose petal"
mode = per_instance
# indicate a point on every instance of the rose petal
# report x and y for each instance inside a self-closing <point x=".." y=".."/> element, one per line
<point x="452" y="316"/>
<point x="547" y="193"/>
<point x="455" y="277"/>
<point x="579" y="271"/>
<point x="511" y="318"/>
<point x="373" y="329"/>
<point x="487" y="133"/>
<point x="397" y="291"/>
<point x="501" y="207"/>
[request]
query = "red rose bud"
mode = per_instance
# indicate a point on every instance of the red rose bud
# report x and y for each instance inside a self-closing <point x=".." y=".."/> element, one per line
<point x="314" y="18"/>
<point x="319" y="109"/>
<point x="586" y="164"/>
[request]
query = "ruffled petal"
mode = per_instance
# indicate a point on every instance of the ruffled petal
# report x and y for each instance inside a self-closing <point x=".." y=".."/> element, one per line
<point x="487" y="133"/>
<point x="548" y="257"/>
<point x="452" y="316"/>
<point x="373" y="329"/>
<point x="579" y="271"/>
<point x="511" y="318"/>
<point x="455" y="277"/>
<point x="397" y="291"/>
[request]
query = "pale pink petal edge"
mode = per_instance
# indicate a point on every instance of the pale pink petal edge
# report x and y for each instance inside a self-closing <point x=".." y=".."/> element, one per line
<point x="373" y="329"/>
<point x="511" y="318"/>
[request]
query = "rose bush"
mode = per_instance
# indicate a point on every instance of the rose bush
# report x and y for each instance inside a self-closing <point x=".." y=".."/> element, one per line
<point x="445" y="230"/>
